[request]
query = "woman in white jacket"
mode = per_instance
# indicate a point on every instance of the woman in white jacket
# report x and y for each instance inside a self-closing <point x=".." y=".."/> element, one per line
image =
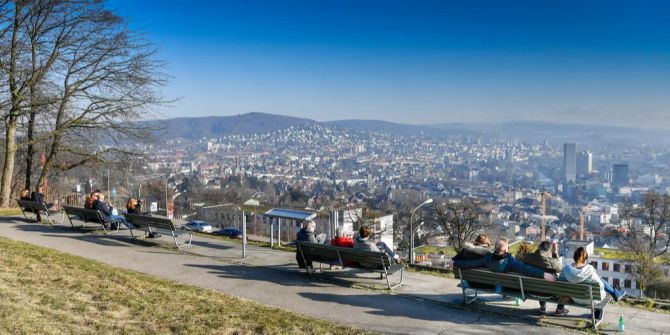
<point x="581" y="272"/>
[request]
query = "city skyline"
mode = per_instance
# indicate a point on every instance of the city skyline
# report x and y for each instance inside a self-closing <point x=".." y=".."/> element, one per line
<point x="432" y="62"/>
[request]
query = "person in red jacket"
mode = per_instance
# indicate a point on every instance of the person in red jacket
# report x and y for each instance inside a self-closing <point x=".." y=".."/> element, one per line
<point x="343" y="238"/>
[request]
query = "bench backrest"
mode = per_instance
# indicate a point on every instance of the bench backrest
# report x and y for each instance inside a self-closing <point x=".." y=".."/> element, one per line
<point x="32" y="205"/>
<point x="530" y="285"/>
<point x="328" y="253"/>
<point x="145" y="221"/>
<point x="86" y="214"/>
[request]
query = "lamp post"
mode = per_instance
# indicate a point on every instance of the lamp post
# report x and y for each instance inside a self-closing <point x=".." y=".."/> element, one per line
<point x="411" y="230"/>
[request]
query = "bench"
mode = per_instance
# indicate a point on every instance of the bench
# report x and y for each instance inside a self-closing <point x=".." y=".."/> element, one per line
<point x="523" y="287"/>
<point x="151" y="224"/>
<point x="36" y="207"/>
<point x="368" y="260"/>
<point x="89" y="215"/>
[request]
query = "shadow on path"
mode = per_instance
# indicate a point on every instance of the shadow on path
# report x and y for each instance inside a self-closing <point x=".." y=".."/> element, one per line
<point x="393" y="306"/>
<point x="234" y="271"/>
<point x="210" y="245"/>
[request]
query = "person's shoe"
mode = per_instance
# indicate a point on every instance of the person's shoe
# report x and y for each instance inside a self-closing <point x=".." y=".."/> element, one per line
<point x="543" y="309"/>
<point x="618" y="294"/>
<point x="562" y="311"/>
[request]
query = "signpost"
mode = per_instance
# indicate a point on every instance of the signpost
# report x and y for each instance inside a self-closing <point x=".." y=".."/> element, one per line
<point x="244" y="235"/>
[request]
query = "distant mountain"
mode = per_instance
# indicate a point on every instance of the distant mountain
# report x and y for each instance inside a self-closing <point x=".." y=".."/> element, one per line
<point x="398" y="128"/>
<point x="537" y="131"/>
<point x="217" y="126"/>
<point x="526" y="131"/>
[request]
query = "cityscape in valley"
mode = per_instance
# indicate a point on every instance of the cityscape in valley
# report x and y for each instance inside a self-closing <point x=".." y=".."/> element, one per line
<point x="384" y="169"/>
<point x="334" y="167"/>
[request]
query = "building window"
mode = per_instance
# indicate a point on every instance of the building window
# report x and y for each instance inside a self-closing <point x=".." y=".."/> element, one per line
<point x="616" y="282"/>
<point x="626" y="283"/>
<point x="594" y="264"/>
<point x="628" y="268"/>
<point x="605" y="266"/>
<point x="617" y="267"/>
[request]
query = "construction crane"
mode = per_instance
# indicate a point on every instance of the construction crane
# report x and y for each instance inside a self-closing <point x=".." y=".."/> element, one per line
<point x="581" y="221"/>
<point x="543" y="207"/>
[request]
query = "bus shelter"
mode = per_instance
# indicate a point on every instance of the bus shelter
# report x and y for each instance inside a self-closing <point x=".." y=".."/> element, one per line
<point x="291" y="217"/>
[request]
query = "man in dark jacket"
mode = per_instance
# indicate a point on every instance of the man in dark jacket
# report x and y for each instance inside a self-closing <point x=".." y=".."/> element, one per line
<point x="37" y="196"/>
<point x="546" y="258"/>
<point x="501" y="261"/>
<point x="105" y="209"/>
<point x="307" y="234"/>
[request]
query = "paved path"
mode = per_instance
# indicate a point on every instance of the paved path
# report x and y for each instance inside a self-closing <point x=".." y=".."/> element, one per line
<point x="425" y="305"/>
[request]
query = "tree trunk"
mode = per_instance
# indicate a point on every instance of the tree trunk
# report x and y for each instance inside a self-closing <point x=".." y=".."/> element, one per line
<point x="30" y="150"/>
<point x="8" y="168"/>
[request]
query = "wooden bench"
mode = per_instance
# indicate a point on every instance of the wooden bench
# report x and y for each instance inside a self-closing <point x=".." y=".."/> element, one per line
<point x="36" y="207"/>
<point x="368" y="260"/>
<point x="151" y="224"/>
<point x="89" y="215"/>
<point x="523" y="287"/>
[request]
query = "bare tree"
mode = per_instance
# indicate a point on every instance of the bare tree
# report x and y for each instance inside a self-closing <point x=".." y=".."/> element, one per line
<point x="644" y="236"/>
<point x="461" y="221"/>
<point x="80" y="77"/>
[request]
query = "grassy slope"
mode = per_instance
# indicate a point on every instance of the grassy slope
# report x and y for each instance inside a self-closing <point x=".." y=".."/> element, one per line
<point x="49" y="292"/>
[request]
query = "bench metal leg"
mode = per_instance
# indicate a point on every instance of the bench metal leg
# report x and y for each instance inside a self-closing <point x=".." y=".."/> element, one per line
<point x="185" y="245"/>
<point x="70" y="219"/>
<point x="24" y="213"/>
<point x="304" y="260"/>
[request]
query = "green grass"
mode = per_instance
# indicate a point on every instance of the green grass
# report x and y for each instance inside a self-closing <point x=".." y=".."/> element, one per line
<point x="10" y="211"/>
<point x="249" y="242"/>
<point x="624" y="255"/>
<point x="48" y="292"/>
<point x="428" y="249"/>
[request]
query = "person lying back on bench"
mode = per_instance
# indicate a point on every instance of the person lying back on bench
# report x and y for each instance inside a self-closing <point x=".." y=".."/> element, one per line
<point x="581" y="272"/>
<point x="477" y="249"/>
<point x="501" y="261"/>
<point x="364" y="242"/>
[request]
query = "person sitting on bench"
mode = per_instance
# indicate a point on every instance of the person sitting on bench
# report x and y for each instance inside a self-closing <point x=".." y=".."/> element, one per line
<point x="307" y="234"/>
<point x="37" y="196"/>
<point x="25" y="195"/>
<point x="364" y="242"/>
<point x="343" y="239"/>
<point x="546" y="258"/>
<point x="108" y="211"/>
<point x="501" y="261"/>
<point x="582" y="272"/>
<point x="477" y="249"/>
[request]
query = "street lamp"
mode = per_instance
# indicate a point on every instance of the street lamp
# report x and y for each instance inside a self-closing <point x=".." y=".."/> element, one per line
<point x="411" y="230"/>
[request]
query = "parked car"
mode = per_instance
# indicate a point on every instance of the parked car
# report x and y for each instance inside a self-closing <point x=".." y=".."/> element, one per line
<point x="230" y="232"/>
<point x="200" y="226"/>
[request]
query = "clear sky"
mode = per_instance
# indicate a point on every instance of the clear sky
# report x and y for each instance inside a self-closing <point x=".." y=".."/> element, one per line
<point x="415" y="61"/>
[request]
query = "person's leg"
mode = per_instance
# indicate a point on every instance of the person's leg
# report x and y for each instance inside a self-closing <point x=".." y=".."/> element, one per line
<point x="543" y="306"/>
<point x="616" y="294"/>
<point x="608" y="288"/>
<point x="387" y="250"/>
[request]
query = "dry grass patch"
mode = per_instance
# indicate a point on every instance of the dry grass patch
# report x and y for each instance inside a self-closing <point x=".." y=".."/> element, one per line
<point x="44" y="291"/>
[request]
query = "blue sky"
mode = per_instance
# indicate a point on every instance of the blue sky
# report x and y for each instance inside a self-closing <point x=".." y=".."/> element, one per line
<point x="602" y="62"/>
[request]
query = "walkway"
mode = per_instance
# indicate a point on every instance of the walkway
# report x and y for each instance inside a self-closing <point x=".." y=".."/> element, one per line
<point x="425" y="305"/>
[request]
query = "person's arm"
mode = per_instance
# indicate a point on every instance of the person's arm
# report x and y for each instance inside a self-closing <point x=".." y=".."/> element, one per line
<point x="531" y="271"/>
<point x="470" y="263"/>
<point x="312" y="238"/>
